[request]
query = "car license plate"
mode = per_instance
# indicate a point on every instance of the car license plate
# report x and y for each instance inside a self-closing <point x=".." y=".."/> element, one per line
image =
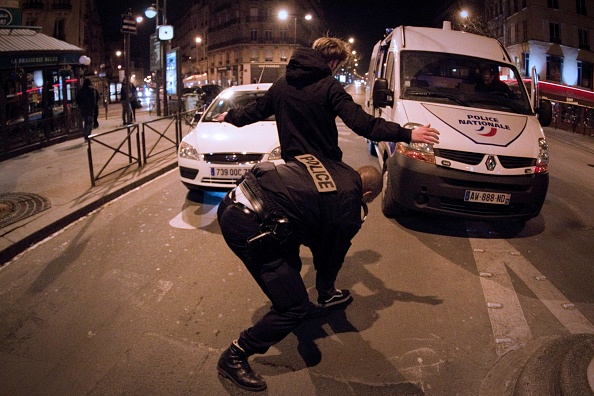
<point x="487" y="197"/>
<point x="227" y="173"/>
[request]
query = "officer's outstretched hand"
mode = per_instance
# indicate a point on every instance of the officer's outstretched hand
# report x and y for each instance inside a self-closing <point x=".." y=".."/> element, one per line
<point x="221" y="117"/>
<point x="425" y="134"/>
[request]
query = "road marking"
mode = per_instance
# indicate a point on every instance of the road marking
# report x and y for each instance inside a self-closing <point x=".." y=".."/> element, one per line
<point x="510" y="328"/>
<point x="195" y="216"/>
<point x="493" y="257"/>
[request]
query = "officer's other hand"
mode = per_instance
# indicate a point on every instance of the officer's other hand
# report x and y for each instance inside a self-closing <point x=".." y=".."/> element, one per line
<point x="425" y="134"/>
<point x="221" y="117"/>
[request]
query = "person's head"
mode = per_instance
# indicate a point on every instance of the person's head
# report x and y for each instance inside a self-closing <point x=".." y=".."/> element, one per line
<point x="334" y="51"/>
<point x="87" y="82"/>
<point x="372" y="182"/>
<point x="487" y="75"/>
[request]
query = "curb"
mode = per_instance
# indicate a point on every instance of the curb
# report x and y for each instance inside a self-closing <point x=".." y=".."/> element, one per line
<point x="560" y="367"/>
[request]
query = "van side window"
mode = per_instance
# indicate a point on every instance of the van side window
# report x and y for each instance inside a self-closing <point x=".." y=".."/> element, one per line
<point x="390" y="70"/>
<point x="381" y="59"/>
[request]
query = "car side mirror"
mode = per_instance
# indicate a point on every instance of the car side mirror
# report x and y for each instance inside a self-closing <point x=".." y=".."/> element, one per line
<point x="544" y="111"/>
<point x="382" y="95"/>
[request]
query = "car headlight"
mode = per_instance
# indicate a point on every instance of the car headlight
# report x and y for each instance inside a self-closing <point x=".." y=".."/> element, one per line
<point x="542" y="161"/>
<point x="186" y="150"/>
<point x="275" y="154"/>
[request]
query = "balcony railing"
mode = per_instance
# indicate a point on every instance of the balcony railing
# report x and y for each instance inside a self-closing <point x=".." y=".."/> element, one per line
<point x="33" y="5"/>
<point x="62" y="5"/>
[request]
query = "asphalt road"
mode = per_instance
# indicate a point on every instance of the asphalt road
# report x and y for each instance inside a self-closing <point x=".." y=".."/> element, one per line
<point x="142" y="296"/>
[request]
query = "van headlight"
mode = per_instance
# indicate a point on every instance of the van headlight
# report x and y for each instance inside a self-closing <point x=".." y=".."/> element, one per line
<point x="418" y="151"/>
<point x="542" y="161"/>
<point x="275" y="154"/>
<point x="186" y="150"/>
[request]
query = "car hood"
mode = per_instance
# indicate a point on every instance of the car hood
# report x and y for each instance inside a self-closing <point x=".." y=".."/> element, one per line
<point x="217" y="137"/>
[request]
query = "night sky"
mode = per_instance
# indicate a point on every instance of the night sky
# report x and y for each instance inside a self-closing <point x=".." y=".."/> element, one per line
<point x="365" y="20"/>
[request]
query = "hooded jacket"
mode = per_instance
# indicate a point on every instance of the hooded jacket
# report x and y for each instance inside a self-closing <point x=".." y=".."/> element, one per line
<point x="305" y="103"/>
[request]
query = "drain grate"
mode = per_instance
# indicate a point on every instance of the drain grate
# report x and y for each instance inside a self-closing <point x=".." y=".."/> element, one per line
<point x="17" y="206"/>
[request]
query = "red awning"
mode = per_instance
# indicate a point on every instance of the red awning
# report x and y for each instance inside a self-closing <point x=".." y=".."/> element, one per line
<point x="563" y="93"/>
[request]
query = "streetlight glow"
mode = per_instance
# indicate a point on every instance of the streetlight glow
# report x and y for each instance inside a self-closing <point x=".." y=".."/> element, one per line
<point x="139" y="19"/>
<point x="283" y="15"/>
<point x="464" y="14"/>
<point x="151" y="12"/>
<point x="198" y="40"/>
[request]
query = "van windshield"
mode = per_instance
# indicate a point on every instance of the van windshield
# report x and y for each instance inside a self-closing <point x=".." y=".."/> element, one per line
<point x="462" y="80"/>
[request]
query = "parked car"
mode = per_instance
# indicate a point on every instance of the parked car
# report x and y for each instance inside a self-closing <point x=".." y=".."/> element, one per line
<point x="214" y="155"/>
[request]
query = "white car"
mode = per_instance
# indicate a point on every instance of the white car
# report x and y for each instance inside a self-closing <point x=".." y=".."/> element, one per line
<point x="214" y="155"/>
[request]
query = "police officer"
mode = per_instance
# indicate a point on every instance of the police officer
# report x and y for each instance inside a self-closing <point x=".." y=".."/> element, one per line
<point x="306" y="101"/>
<point x="265" y="219"/>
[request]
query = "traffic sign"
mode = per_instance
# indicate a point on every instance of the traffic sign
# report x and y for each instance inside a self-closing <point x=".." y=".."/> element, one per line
<point x="128" y="24"/>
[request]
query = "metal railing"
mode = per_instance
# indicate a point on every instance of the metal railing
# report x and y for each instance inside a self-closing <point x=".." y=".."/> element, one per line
<point x="135" y="144"/>
<point x="113" y="141"/>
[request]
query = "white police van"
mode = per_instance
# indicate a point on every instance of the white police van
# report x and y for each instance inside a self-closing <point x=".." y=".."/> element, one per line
<point x="492" y="158"/>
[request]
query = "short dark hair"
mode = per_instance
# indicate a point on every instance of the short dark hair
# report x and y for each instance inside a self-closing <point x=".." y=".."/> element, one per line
<point x="371" y="179"/>
<point x="87" y="82"/>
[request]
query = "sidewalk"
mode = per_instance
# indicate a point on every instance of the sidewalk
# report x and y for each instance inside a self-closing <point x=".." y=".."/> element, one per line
<point x="43" y="191"/>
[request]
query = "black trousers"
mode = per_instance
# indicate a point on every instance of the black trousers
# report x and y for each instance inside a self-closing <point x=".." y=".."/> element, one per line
<point x="276" y="269"/>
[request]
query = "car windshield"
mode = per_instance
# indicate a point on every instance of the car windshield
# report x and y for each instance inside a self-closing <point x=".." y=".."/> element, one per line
<point x="462" y="80"/>
<point x="225" y="102"/>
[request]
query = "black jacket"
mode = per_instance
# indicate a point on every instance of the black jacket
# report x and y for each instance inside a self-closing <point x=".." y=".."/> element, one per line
<point x="85" y="98"/>
<point x="324" y="222"/>
<point x="306" y="102"/>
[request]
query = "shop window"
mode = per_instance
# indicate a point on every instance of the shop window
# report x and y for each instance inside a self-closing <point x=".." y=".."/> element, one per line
<point x="554" y="68"/>
<point x="526" y="67"/>
<point x="585" y="70"/>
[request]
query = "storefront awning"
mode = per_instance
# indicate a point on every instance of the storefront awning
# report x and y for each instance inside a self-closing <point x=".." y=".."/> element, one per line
<point x="24" y="47"/>
<point x="565" y="94"/>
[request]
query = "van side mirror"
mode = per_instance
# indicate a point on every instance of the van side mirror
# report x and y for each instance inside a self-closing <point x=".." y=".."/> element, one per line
<point x="544" y="112"/>
<point x="382" y="95"/>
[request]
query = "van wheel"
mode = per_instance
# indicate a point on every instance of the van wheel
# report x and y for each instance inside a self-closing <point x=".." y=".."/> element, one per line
<point x="390" y="208"/>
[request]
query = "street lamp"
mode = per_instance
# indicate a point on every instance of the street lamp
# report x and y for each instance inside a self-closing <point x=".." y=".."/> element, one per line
<point x="153" y="12"/>
<point x="283" y="15"/>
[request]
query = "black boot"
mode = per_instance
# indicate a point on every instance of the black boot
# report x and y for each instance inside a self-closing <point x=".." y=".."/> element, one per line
<point x="233" y="364"/>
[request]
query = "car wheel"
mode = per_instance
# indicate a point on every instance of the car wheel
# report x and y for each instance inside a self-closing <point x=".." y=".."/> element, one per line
<point x="390" y="207"/>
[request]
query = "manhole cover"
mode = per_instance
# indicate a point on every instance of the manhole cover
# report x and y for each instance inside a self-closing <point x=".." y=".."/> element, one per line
<point x="17" y="206"/>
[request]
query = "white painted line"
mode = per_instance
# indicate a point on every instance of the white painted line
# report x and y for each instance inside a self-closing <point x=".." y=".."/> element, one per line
<point x="553" y="299"/>
<point x="510" y="328"/>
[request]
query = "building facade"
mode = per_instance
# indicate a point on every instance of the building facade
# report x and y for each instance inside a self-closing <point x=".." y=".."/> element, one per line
<point x="73" y="21"/>
<point x="245" y="41"/>
<point x="553" y="37"/>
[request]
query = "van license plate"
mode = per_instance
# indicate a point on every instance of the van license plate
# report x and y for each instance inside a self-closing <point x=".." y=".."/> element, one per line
<point x="228" y="173"/>
<point x="487" y="197"/>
